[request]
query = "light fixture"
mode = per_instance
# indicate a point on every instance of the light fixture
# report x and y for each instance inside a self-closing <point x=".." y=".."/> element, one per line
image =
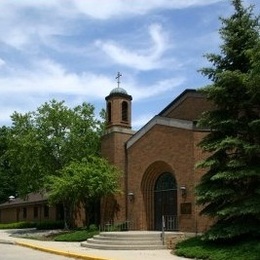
<point x="131" y="196"/>
<point x="11" y="198"/>
<point x="183" y="191"/>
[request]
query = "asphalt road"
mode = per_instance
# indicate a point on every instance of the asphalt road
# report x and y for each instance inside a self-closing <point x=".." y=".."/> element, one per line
<point x="14" y="252"/>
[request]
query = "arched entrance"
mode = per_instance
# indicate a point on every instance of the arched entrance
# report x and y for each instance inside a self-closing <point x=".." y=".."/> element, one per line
<point x="159" y="189"/>
<point x="165" y="202"/>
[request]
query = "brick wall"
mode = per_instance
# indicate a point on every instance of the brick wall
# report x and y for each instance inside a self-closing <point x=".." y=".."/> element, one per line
<point x="113" y="149"/>
<point x="162" y="149"/>
<point x="27" y="213"/>
<point x="190" y="108"/>
<point x="203" y="222"/>
<point x="165" y="149"/>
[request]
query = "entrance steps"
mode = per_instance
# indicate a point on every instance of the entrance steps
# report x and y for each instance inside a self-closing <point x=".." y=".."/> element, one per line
<point x="126" y="240"/>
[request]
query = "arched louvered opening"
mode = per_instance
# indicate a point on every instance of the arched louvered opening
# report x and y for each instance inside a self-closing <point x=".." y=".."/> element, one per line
<point x="124" y="111"/>
<point x="109" y="116"/>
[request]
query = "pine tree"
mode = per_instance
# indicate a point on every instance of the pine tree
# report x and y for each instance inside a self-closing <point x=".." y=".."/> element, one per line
<point x="230" y="188"/>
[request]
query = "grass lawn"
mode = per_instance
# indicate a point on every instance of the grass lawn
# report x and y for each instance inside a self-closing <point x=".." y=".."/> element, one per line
<point x="198" y="249"/>
<point x="75" y="236"/>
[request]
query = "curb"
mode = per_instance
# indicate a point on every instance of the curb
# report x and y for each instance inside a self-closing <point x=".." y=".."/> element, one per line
<point x="7" y="242"/>
<point x="52" y="251"/>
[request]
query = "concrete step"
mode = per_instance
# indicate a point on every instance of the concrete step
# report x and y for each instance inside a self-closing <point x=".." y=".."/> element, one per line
<point x="122" y="247"/>
<point x="129" y="240"/>
<point x="130" y="235"/>
<point x="124" y="241"/>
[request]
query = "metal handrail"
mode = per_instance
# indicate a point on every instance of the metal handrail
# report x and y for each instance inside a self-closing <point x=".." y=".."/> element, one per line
<point x="117" y="226"/>
<point x="163" y="230"/>
<point x="169" y="223"/>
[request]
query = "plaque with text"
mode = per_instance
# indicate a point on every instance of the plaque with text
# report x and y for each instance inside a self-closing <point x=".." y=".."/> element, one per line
<point x="185" y="208"/>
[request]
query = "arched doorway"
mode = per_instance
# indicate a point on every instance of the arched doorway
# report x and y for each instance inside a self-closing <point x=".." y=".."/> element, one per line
<point x="165" y="202"/>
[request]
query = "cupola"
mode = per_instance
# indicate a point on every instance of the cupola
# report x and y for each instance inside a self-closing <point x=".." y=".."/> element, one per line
<point x="118" y="107"/>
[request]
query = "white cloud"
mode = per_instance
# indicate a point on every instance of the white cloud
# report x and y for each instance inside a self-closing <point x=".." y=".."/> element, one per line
<point x="25" y="90"/>
<point x="156" y="89"/>
<point x="103" y="10"/>
<point x="49" y="78"/>
<point x="26" y="22"/>
<point x="122" y="8"/>
<point x="31" y="87"/>
<point x="2" y="62"/>
<point x="33" y="73"/>
<point x="142" y="59"/>
<point x="19" y="28"/>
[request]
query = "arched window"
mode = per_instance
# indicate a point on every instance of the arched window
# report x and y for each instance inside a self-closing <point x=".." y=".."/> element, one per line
<point x="165" y="182"/>
<point x="108" y="112"/>
<point x="124" y="111"/>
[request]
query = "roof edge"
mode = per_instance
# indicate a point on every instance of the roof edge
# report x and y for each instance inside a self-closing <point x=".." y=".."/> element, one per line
<point x="158" y="120"/>
<point x="178" y="99"/>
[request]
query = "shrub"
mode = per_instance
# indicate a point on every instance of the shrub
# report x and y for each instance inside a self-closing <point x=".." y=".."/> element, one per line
<point x="18" y="225"/>
<point x="75" y="236"/>
<point x="199" y="249"/>
<point x="92" y="227"/>
<point x="45" y="225"/>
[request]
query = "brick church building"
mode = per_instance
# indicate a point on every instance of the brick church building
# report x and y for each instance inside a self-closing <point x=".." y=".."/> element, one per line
<point x="157" y="163"/>
<point x="158" y="169"/>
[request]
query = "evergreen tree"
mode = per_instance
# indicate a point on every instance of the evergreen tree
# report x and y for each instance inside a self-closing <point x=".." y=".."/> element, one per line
<point x="230" y="188"/>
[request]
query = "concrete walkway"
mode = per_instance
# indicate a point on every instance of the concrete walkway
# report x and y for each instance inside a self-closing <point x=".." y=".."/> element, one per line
<point x="74" y="250"/>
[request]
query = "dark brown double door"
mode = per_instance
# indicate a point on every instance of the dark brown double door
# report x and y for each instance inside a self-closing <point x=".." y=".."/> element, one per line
<point x="165" y="202"/>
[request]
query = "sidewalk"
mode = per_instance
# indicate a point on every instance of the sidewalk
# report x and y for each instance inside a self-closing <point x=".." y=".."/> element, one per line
<point x="73" y="249"/>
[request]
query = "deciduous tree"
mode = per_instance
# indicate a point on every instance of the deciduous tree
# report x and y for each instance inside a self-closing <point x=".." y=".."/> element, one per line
<point x="8" y="184"/>
<point x="84" y="183"/>
<point x="45" y="141"/>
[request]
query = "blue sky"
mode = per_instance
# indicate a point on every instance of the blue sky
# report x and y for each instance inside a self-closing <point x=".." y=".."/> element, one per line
<point x="72" y="50"/>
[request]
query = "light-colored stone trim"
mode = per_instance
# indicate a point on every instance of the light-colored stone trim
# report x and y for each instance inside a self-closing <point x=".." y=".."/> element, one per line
<point x="164" y="121"/>
<point x="119" y="129"/>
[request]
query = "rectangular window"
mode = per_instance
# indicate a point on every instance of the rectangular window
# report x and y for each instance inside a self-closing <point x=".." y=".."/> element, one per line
<point x="35" y="212"/>
<point x="24" y="212"/>
<point x="17" y="215"/>
<point x="46" y="211"/>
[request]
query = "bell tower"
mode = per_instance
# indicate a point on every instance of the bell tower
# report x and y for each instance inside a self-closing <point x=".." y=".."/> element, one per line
<point x="118" y="107"/>
<point x="113" y="148"/>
